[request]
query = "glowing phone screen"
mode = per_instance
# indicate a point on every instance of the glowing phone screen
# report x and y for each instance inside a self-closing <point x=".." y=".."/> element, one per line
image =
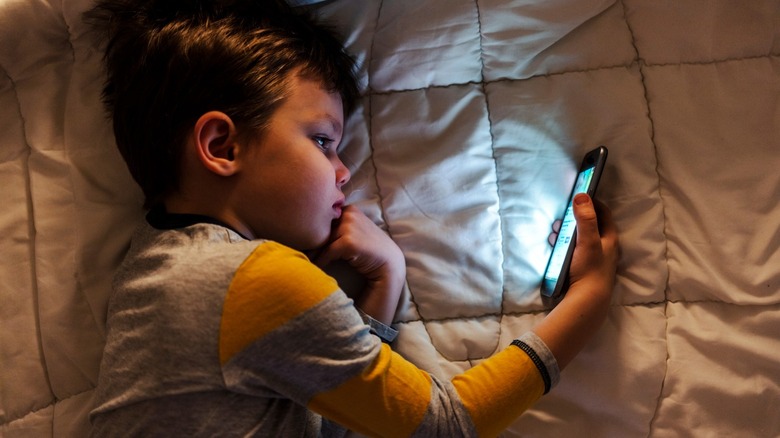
<point x="566" y="233"/>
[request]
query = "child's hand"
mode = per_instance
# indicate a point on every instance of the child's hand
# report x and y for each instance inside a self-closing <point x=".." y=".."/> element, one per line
<point x="358" y="241"/>
<point x="592" y="277"/>
<point x="594" y="262"/>
<point x="556" y="228"/>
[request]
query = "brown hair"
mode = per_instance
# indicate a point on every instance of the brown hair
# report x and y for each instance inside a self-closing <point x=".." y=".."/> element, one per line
<point x="168" y="62"/>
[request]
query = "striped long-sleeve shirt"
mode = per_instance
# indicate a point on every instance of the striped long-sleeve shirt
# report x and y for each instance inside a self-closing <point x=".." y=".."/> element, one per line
<point x="213" y="334"/>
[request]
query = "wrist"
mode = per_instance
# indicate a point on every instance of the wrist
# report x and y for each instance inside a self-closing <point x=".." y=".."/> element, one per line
<point x="573" y="322"/>
<point x="594" y="290"/>
<point x="380" y="298"/>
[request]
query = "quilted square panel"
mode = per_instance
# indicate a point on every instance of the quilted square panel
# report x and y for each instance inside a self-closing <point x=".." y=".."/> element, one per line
<point x="722" y="371"/>
<point x="671" y="31"/>
<point x="718" y="167"/>
<point x="436" y="173"/>
<point x="525" y="38"/>
<point x="422" y="44"/>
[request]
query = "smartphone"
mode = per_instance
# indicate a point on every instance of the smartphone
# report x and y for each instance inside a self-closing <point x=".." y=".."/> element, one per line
<point x="556" y="275"/>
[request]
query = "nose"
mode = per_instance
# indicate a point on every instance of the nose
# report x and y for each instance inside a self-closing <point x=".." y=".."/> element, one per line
<point x="342" y="172"/>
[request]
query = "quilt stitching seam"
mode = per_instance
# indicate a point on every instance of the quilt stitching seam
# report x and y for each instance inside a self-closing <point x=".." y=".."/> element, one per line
<point x="32" y="234"/>
<point x="714" y="61"/>
<point x="370" y="93"/>
<point x="51" y="404"/>
<point x="642" y="66"/>
<point x="574" y="71"/>
<point x="483" y="86"/>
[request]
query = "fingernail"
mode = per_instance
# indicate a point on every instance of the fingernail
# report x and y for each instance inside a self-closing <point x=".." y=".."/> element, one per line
<point x="581" y="199"/>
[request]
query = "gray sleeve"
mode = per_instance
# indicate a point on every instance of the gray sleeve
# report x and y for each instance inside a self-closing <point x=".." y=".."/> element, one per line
<point x="378" y="328"/>
<point x="542" y="357"/>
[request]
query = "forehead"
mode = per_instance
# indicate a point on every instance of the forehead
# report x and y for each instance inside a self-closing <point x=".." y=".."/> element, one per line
<point x="308" y="99"/>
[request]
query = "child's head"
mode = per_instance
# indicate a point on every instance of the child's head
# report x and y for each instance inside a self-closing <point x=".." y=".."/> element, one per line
<point x="169" y="62"/>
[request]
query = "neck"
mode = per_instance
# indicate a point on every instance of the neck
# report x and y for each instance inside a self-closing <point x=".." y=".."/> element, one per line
<point x="179" y="203"/>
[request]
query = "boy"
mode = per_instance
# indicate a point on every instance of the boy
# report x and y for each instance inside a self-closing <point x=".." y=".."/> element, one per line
<point x="228" y="115"/>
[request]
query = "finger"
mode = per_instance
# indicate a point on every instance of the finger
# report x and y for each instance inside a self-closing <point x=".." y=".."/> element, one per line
<point x="587" y="221"/>
<point x="552" y="238"/>
<point x="329" y="253"/>
<point x="323" y="258"/>
<point x="331" y="250"/>
<point x="556" y="228"/>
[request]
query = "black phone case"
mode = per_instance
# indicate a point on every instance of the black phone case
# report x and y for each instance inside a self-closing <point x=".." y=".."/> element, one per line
<point x="595" y="158"/>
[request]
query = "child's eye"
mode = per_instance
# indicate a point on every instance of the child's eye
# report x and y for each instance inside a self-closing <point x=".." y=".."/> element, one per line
<point x="323" y="142"/>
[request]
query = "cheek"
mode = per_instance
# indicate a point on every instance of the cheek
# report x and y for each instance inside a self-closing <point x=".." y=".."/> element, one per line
<point x="318" y="176"/>
<point x="300" y="189"/>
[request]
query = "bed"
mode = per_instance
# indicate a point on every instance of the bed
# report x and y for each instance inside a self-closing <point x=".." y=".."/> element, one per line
<point x="474" y="117"/>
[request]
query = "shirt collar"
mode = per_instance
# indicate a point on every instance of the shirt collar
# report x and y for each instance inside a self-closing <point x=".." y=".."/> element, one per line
<point x="160" y="219"/>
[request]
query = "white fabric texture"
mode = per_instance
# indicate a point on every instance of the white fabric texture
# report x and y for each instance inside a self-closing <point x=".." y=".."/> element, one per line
<point x="475" y="114"/>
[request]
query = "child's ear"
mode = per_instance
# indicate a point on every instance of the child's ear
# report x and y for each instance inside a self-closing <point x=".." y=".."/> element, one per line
<point x="216" y="143"/>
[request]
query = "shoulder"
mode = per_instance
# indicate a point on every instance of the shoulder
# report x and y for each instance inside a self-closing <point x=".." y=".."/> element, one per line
<point x="190" y="245"/>
<point x="194" y="258"/>
<point x="274" y="286"/>
<point x="208" y="252"/>
<point x="276" y="268"/>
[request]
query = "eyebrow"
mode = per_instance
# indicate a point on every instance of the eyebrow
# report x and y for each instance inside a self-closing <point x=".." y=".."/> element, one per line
<point x="335" y="124"/>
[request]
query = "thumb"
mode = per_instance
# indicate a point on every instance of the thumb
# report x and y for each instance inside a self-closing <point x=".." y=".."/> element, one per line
<point x="587" y="222"/>
<point x="328" y="254"/>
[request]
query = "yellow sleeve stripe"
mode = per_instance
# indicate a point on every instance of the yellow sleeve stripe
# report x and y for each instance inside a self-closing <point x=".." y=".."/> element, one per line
<point x="492" y="391"/>
<point x="389" y="388"/>
<point x="272" y="286"/>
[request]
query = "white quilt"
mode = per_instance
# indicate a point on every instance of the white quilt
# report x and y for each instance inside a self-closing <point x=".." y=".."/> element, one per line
<point x="476" y="113"/>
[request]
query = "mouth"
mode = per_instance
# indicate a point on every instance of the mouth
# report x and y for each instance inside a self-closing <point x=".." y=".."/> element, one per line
<point x="338" y="207"/>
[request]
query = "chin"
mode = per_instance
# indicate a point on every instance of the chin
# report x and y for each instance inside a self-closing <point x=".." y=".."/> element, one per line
<point x="302" y="238"/>
<point x="312" y="243"/>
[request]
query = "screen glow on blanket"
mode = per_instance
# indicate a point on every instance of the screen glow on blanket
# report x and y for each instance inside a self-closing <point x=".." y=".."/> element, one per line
<point x="533" y="200"/>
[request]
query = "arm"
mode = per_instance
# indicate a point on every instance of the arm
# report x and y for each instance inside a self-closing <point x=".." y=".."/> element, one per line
<point x="367" y="382"/>
<point x="358" y="241"/>
<point x="564" y="331"/>
<point x="323" y="357"/>
<point x="584" y="308"/>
